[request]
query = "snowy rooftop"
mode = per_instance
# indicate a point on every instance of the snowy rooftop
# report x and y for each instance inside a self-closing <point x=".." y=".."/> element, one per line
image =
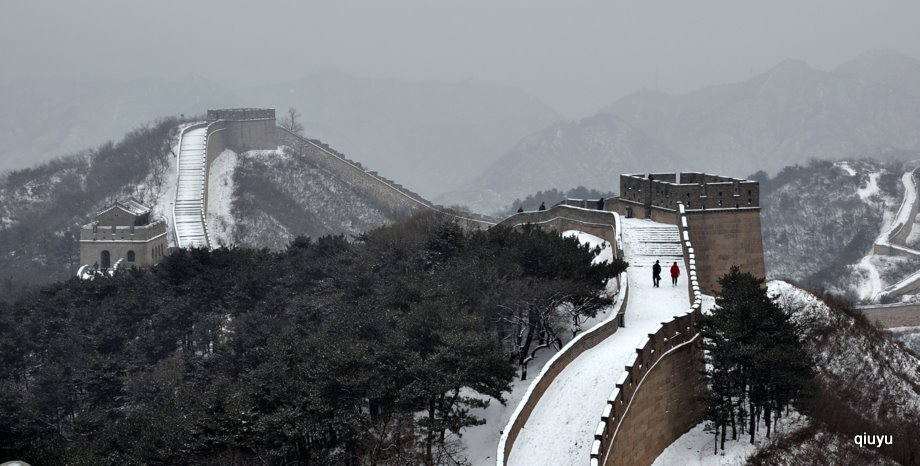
<point x="131" y="205"/>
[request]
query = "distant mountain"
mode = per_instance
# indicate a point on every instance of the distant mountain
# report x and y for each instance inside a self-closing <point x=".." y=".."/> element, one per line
<point x="784" y="116"/>
<point x="868" y="107"/>
<point x="591" y="153"/>
<point x="432" y="136"/>
<point x="887" y="67"/>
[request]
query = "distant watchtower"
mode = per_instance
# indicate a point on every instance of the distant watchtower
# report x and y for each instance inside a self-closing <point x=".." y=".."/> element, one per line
<point x="723" y="215"/>
<point x="123" y="231"/>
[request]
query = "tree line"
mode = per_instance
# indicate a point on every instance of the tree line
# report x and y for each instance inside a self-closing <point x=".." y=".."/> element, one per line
<point x="371" y="351"/>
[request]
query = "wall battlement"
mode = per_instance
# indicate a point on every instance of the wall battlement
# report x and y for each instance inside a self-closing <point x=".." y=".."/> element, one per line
<point x="723" y="213"/>
<point x="241" y="114"/>
<point x="696" y="191"/>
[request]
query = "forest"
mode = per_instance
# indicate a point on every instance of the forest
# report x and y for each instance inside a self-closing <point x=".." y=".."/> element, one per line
<point x="369" y="350"/>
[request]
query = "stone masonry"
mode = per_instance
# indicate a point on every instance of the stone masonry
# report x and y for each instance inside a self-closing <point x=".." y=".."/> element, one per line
<point x="723" y="216"/>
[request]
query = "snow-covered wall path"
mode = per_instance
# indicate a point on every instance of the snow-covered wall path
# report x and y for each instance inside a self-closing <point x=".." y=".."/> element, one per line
<point x="561" y="428"/>
<point x="189" y="210"/>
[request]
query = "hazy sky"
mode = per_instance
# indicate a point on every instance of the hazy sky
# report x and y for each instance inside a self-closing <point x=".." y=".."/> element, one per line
<point x="576" y="55"/>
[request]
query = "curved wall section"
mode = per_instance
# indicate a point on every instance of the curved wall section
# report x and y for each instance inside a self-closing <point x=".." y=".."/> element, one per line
<point x="561" y="218"/>
<point x="659" y="395"/>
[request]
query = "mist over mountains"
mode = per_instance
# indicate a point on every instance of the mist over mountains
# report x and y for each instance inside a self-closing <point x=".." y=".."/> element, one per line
<point x="867" y="107"/>
<point x="431" y="136"/>
<point x="483" y="145"/>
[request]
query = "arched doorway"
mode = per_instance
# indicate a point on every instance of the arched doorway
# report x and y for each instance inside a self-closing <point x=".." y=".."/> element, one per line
<point x="105" y="260"/>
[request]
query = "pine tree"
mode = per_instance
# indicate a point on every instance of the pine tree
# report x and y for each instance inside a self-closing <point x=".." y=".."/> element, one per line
<point x="756" y="366"/>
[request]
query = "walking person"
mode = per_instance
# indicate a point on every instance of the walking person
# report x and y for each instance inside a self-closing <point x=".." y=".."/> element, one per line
<point x="600" y="204"/>
<point x="675" y="272"/>
<point x="542" y="206"/>
<point x="656" y="274"/>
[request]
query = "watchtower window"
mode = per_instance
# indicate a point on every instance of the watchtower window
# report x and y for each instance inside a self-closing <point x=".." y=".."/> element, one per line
<point x="130" y="256"/>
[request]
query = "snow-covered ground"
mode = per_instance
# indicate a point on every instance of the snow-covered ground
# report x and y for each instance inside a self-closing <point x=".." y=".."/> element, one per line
<point x="696" y="447"/>
<point x="870" y="281"/>
<point x="162" y="206"/>
<point x="220" y="198"/>
<point x="480" y="442"/>
<point x="845" y="166"/>
<point x="561" y="427"/>
<point x="871" y="188"/>
<point x="874" y="275"/>
<point x="871" y="371"/>
<point x="902" y="217"/>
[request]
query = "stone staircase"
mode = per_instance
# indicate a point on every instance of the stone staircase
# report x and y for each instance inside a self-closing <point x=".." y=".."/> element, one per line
<point x="648" y="241"/>
<point x="188" y="211"/>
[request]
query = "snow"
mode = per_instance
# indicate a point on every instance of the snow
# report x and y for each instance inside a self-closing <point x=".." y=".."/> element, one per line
<point x="845" y="166"/>
<point x="220" y="198"/>
<point x="695" y="448"/>
<point x="162" y="205"/>
<point x="561" y="427"/>
<point x="871" y="188"/>
<point x="876" y="370"/>
<point x="903" y="215"/>
<point x="870" y="288"/>
<point x="481" y="442"/>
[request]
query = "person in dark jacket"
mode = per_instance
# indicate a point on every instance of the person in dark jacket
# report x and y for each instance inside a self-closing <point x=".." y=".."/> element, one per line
<point x="675" y="272"/>
<point x="600" y="204"/>
<point x="542" y="206"/>
<point x="656" y="274"/>
<point x="520" y="209"/>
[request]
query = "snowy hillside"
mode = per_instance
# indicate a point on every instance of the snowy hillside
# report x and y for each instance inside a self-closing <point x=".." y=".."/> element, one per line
<point x="875" y="375"/>
<point x="278" y="195"/>
<point x="820" y="218"/>
<point x="42" y="208"/>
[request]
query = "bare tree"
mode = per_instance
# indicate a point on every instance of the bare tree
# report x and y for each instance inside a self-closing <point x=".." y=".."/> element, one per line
<point x="291" y="121"/>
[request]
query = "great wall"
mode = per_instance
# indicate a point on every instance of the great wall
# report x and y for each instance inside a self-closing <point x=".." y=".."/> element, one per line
<point x="892" y="242"/>
<point x="650" y="393"/>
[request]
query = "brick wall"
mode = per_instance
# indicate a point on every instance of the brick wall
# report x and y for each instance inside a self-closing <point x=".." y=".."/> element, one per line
<point x="143" y="243"/>
<point x="723" y="238"/>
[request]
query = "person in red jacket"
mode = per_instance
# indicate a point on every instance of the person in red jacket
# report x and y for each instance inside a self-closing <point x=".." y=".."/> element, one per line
<point x="675" y="272"/>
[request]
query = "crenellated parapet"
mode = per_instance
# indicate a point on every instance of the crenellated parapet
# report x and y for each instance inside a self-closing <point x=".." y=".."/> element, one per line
<point x="696" y="191"/>
<point x="724" y="214"/>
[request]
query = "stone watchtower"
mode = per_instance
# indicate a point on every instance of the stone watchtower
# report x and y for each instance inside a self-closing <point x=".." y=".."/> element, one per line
<point x="723" y="216"/>
<point x="123" y="232"/>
